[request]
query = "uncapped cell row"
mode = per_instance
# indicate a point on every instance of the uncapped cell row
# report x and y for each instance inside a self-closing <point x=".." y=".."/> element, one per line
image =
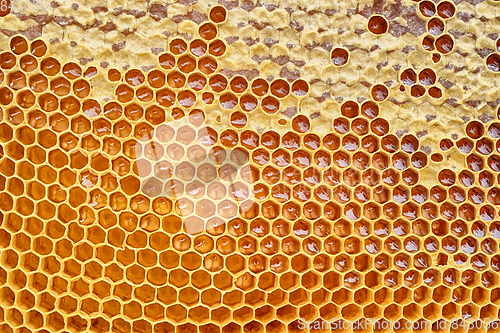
<point x="269" y="140"/>
<point x="240" y="191"/>
<point x="257" y="300"/>
<point x="210" y="171"/>
<point x="248" y="210"/>
<point x="146" y="267"/>
<point x="186" y="135"/>
<point x="158" y="155"/>
<point x="447" y="232"/>
<point x="166" y="98"/>
<point x="268" y="281"/>
<point x="331" y="281"/>
<point x="290" y="243"/>
<point x="156" y="79"/>
<point x="218" y="190"/>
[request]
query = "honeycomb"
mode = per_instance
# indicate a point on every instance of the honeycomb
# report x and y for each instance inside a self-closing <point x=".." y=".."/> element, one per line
<point x="166" y="167"/>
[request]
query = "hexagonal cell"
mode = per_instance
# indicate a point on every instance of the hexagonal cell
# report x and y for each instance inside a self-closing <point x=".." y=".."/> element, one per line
<point x="89" y="306"/>
<point x="55" y="321"/>
<point x="189" y="296"/>
<point x="341" y="296"/>
<point x="286" y="313"/>
<point x="211" y="297"/>
<point x="201" y="279"/>
<point x="46" y="301"/>
<point x="363" y="296"/>
<point x="243" y="315"/>
<point x="154" y="312"/>
<point x="167" y="295"/>
<point x="235" y="263"/>
<point x="351" y="312"/>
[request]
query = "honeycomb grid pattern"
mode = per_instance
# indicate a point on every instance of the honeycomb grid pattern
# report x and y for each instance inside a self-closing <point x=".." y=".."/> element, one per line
<point x="147" y="214"/>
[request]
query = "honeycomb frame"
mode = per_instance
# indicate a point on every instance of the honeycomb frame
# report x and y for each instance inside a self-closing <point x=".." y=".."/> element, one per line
<point x="186" y="188"/>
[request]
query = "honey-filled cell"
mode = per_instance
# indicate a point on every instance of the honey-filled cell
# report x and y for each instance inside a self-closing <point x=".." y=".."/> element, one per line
<point x="377" y="25"/>
<point x="28" y="63"/>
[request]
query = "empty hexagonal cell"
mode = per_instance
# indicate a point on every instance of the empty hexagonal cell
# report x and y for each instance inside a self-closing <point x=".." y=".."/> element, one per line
<point x="55" y="321"/>
<point x="243" y="315"/>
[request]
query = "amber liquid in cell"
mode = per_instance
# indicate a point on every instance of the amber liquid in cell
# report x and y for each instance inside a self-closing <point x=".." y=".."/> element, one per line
<point x="7" y="60"/>
<point x="28" y="63"/>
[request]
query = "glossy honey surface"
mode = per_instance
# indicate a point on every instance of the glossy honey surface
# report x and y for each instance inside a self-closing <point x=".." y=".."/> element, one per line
<point x="189" y="197"/>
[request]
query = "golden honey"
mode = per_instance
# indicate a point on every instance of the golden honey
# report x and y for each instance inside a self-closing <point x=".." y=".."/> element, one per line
<point x="250" y="167"/>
